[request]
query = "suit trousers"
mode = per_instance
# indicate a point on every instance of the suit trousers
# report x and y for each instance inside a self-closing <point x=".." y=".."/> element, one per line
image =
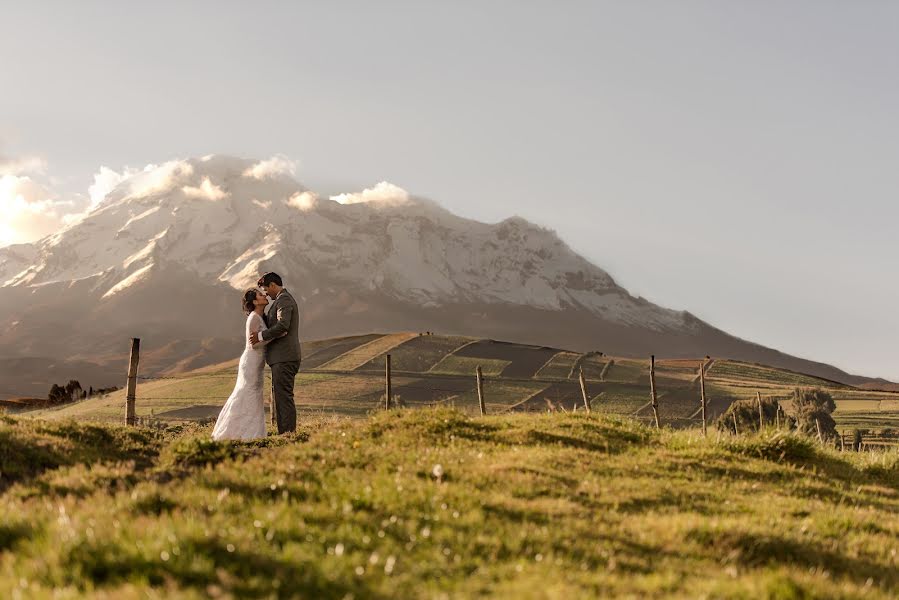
<point x="283" y="377"/>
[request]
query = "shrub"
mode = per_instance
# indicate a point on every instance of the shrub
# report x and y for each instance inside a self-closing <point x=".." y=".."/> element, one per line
<point x="747" y="413"/>
<point x="813" y="408"/>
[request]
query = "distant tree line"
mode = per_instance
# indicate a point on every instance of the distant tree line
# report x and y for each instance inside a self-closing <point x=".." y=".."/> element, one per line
<point x="72" y="391"/>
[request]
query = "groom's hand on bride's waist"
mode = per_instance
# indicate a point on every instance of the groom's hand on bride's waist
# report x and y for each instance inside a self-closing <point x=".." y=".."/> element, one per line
<point x="255" y="338"/>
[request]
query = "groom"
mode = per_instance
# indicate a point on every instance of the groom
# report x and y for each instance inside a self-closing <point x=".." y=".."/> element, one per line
<point x="283" y="351"/>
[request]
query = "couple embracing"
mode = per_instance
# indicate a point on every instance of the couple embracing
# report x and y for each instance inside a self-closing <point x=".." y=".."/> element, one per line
<point x="272" y="338"/>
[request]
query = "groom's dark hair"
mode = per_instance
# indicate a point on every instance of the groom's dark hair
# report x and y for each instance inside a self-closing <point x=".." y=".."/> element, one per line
<point x="270" y="278"/>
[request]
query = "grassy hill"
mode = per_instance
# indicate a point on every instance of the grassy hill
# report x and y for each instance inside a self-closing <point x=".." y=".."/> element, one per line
<point x="345" y="376"/>
<point x="435" y="503"/>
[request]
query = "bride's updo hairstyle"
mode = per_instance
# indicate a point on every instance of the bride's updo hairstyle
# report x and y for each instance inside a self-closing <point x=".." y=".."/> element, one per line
<point x="249" y="297"/>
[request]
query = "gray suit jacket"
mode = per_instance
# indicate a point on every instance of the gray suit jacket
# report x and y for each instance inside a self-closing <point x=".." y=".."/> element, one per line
<point x="283" y="318"/>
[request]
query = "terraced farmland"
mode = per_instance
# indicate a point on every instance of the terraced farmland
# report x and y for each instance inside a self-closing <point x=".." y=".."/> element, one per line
<point x="327" y="352"/>
<point x="741" y="372"/>
<point x="559" y="366"/>
<point x="362" y="354"/>
<point x="522" y="361"/>
<point x="625" y="370"/>
<point x="466" y="365"/>
<point x="345" y="377"/>
<point x="418" y="354"/>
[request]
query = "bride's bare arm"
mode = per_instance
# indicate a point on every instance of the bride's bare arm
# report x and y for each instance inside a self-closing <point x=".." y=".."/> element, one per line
<point x="256" y="327"/>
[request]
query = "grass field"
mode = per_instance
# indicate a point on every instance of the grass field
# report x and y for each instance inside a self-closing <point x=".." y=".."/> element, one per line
<point x="418" y="354"/>
<point x="559" y="366"/>
<point x="360" y="355"/>
<point x="434" y="503"/>
<point x="464" y="365"/>
<point x="740" y="371"/>
<point x="345" y="377"/>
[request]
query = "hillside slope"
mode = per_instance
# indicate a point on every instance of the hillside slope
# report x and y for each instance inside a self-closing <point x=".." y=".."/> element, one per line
<point x="345" y="376"/>
<point x="416" y="504"/>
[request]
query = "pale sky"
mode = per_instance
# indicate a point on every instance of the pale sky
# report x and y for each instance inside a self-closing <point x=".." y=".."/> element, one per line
<point x="734" y="159"/>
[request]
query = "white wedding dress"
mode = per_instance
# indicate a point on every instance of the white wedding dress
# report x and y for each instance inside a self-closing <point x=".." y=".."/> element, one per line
<point x="243" y="416"/>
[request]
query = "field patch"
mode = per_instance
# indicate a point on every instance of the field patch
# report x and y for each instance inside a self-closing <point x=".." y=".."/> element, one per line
<point x="329" y="352"/>
<point x="594" y="366"/>
<point x="736" y="370"/>
<point x="620" y="399"/>
<point x="464" y="365"/>
<point x="522" y="361"/>
<point x="625" y="370"/>
<point x="559" y="366"/>
<point x="358" y="356"/>
<point x="418" y="354"/>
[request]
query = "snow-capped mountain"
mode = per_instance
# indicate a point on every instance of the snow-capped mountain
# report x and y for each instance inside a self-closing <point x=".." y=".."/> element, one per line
<point x="218" y="219"/>
<point x="164" y="254"/>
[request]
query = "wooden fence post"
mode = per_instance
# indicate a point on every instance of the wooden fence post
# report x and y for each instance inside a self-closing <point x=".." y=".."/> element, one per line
<point x="131" y="386"/>
<point x="480" y="377"/>
<point x="736" y="429"/>
<point x="605" y="369"/>
<point x="584" y="390"/>
<point x="758" y="397"/>
<point x="389" y="384"/>
<point x="702" y="395"/>
<point x="652" y="389"/>
<point x="818" y="427"/>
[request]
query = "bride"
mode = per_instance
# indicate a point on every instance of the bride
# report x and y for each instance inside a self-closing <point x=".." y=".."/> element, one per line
<point x="243" y="417"/>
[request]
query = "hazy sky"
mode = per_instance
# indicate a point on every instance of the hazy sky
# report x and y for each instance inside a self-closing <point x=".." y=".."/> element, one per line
<point x="736" y="159"/>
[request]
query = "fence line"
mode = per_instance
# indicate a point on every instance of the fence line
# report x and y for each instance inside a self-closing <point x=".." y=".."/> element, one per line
<point x="474" y="383"/>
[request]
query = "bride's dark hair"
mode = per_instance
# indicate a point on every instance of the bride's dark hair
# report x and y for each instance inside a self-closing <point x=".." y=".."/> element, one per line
<point x="249" y="297"/>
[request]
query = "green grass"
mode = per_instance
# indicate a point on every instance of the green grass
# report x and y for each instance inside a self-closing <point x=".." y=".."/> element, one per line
<point x="529" y="506"/>
<point x="466" y="365"/>
<point x="628" y="371"/>
<point x="736" y="370"/>
<point x="424" y="359"/>
<point x="620" y="398"/>
<point x="559" y="366"/>
<point x="419" y="354"/>
<point x="360" y="355"/>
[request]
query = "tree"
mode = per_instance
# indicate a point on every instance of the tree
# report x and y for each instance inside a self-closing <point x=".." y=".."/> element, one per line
<point x="57" y="394"/>
<point x="68" y="393"/>
<point x="73" y="390"/>
<point x="813" y="408"/>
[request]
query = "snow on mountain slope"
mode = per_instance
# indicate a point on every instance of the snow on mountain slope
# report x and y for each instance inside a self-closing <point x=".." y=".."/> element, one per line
<point x="225" y="219"/>
<point x="163" y="251"/>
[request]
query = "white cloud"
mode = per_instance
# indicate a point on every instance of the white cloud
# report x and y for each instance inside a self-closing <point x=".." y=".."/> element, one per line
<point x="140" y="182"/>
<point x="207" y="191"/>
<point x="384" y="193"/>
<point x="106" y="180"/>
<point x="303" y="201"/>
<point x="20" y="166"/>
<point x="274" y="166"/>
<point x="160" y="178"/>
<point x="28" y="210"/>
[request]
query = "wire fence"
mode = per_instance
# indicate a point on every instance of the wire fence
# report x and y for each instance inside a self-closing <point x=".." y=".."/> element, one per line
<point x="357" y="392"/>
